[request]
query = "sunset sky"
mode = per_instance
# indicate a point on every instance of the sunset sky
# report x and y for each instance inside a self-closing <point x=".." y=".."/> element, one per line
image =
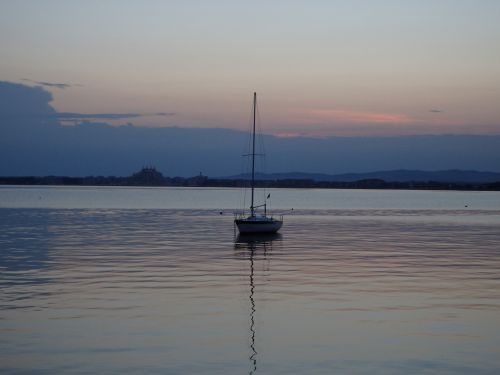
<point x="321" y="68"/>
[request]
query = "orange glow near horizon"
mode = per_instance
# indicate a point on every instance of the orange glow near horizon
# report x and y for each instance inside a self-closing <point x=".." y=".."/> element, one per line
<point x="350" y="116"/>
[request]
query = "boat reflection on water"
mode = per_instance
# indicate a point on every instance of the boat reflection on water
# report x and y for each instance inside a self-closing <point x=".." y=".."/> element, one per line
<point x="250" y="247"/>
<point x="256" y="241"/>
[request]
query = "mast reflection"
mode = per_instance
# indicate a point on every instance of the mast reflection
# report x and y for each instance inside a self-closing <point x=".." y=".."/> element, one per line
<point x="248" y="247"/>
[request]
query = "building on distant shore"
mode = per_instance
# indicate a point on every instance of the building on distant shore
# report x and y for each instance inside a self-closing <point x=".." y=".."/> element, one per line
<point x="148" y="176"/>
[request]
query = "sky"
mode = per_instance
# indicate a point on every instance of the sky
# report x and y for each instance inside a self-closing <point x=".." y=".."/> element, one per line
<point x="321" y="68"/>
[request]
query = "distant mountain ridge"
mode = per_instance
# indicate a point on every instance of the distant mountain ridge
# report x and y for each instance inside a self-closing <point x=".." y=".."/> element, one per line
<point x="399" y="175"/>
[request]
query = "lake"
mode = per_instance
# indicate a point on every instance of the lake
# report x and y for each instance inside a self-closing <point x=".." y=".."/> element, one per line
<point x="155" y="280"/>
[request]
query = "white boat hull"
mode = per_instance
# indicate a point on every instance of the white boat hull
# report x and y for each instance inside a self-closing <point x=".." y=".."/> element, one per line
<point x="258" y="226"/>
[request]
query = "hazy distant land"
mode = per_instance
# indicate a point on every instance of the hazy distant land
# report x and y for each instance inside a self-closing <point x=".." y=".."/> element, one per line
<point x="399" y="179"/>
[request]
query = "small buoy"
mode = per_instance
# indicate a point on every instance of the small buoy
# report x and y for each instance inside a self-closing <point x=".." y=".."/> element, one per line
<point x="466" y="205"/>
<point x="220" y="212"/>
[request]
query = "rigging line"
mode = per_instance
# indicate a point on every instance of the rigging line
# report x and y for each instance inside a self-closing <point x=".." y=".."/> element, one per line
<point x="261" y="146"/>
<point x="252" y="205"/>
<point x="243" y="190"/>
<point x="245" y="164"/>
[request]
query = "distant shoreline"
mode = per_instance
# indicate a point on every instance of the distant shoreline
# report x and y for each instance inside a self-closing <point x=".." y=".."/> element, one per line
<point x="203" y="181"/>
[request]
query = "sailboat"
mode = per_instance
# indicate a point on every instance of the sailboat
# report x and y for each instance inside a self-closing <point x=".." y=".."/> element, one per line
<point x="256" y="222"/>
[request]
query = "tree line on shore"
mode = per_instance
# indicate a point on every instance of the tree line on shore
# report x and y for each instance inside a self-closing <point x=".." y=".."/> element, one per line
<point x="149" y="176"/>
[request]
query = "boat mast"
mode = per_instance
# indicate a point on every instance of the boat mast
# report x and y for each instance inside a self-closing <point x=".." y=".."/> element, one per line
<point x="252" y="210"/>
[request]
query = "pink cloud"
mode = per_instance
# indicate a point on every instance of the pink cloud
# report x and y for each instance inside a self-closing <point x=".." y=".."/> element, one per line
<point x="286" y="134"/>
<point x="319" y="123"/>
<point x="356" y="117"/>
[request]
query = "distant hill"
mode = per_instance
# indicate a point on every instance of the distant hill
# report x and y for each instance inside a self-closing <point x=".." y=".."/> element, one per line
<point x="149" y="176"/>
<point x="400" y="175"/>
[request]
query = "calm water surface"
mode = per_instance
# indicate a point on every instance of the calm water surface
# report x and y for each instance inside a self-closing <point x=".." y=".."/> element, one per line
<point x="117" y="280"/>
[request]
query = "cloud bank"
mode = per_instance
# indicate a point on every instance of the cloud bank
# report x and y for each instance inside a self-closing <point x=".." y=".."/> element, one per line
<point x="34" y="142"/>
<point x="56" y="85"/>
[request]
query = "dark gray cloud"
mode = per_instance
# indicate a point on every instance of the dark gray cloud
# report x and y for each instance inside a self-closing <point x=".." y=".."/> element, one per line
<point x="66" y="116"/>
<point x="58" y="85"/>
<point x="26" y="103"/>
<point x="74" y="116"/>
<point x="17" y="99"/>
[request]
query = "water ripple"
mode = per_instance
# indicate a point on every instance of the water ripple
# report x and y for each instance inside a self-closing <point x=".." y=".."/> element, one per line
<point x="113" y="290"/>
